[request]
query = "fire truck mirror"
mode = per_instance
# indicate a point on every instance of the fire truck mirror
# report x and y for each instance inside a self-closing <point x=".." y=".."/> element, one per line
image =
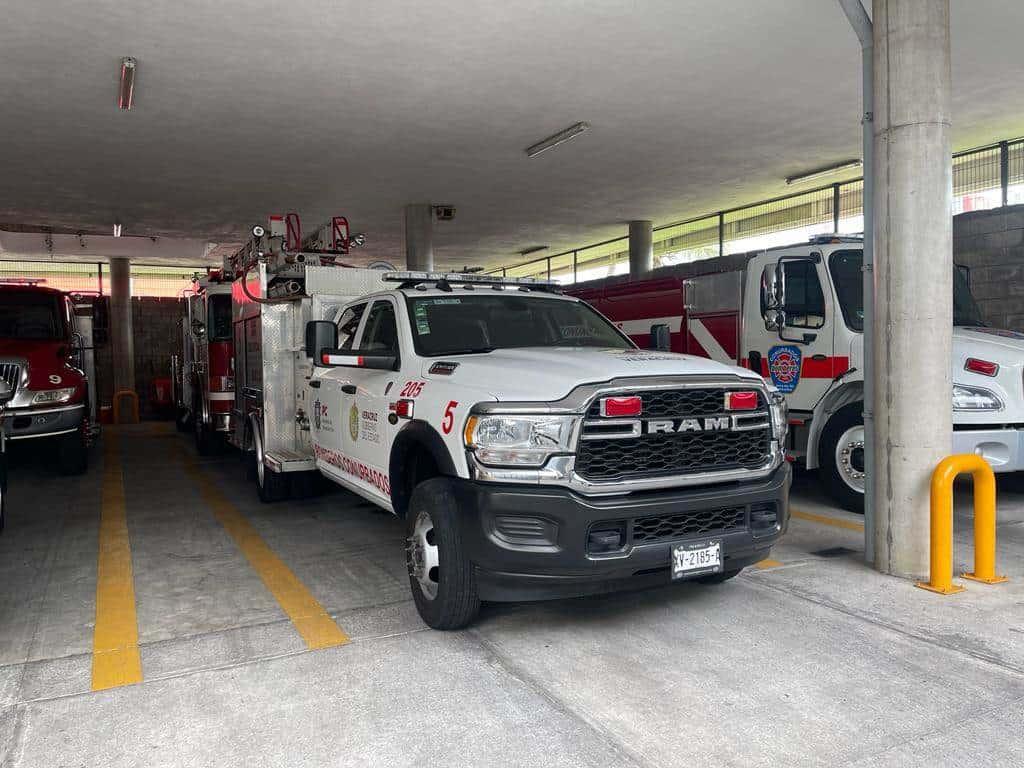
<point x="320" y="335"/>
<point x="661" y="337"/>
<point x="6" y="392"/>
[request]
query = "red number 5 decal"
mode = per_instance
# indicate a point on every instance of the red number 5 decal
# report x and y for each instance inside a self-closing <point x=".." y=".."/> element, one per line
<point x="449" y="418"/>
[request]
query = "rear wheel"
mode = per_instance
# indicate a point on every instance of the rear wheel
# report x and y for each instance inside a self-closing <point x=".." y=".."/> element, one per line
<point x="72" y="456"/>
<point x="271" y="486"/>
<point x="841" y="457"/>
<point x="441" y="575"/>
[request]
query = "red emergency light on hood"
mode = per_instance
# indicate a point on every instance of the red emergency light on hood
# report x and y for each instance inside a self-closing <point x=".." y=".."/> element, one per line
<point x="740" y="401"/>
<point x="621" y="407"/>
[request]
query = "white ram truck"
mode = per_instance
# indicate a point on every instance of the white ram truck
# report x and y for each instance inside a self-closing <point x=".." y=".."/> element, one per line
<point x="534" y="450"/>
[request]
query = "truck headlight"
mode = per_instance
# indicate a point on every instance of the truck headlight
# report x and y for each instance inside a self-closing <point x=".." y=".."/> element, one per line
<point x="518" y="441"/>
<point x="975" y="399"/>
<point x="780" y="416"/>
<point x="52" y="396"/>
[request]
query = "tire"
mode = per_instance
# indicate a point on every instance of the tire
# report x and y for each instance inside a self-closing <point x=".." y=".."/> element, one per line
<point x="841" y="457"/>
<point x="718" y="578"/>
<point x="270" y="486"/>
<point x="183" y="420"/>
<point x="72" y="455"/>
<point x="441" y="576"/>
<point x="208" y="442"/>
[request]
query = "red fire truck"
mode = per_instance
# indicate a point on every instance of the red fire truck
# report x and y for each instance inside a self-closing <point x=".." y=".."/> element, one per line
<point x="205" y="379"/>
<point x="42" y="360"/>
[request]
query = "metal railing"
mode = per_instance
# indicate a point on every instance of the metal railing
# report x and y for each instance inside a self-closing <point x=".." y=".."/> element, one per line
<point x="983" y="177"/>
<point x="89" y="277"/>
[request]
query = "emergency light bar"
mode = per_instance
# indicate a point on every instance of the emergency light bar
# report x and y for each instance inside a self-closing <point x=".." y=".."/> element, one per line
<point x="409" y="279"/>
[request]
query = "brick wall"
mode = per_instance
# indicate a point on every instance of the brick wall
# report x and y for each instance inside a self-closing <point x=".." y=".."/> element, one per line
<point x="991" y="243"/>
<point x="156" y="326"/>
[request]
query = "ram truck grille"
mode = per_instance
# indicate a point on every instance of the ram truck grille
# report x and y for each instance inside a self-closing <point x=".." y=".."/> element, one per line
<point x="650" y="455"/>
<point x="11" y="373"/>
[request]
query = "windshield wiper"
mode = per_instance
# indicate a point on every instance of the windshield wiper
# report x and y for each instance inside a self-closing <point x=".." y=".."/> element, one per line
<point x="467" y="351"/>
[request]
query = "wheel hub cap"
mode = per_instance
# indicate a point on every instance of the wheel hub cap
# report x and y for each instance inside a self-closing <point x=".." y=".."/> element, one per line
<point x="421" y="555"/>
<point x="850" y="457"/>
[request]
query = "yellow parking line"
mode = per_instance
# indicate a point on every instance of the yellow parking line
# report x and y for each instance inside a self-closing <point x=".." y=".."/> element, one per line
<point x="115" y="644"/>
<point x="837" y="522"/>
<point x="768" y="563"/>
<point x="313" y="623"/>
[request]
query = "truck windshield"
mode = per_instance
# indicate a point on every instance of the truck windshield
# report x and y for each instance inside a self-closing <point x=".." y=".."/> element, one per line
<point x="845" y="267"/>
<point x="30" y="316"/>
<point x="482" y="322"/>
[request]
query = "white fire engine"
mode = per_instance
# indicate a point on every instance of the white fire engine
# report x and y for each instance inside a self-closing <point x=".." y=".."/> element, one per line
<point x="204" y="381"/>
<point x="795" y="314"/>
<point x="532" y="449"/>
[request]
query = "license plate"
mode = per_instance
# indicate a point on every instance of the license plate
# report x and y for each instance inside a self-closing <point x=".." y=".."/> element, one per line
<point x="696" y="558"/>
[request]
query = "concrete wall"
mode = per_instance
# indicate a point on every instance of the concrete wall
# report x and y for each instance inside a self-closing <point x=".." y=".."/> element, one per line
<point x="991" y="243"/>
<point x="156" y="323"/>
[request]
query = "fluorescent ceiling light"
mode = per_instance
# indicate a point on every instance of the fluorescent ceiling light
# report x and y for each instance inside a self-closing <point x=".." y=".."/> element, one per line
<point x="847" y="165"/>
<point x="117" y="230"/>
<point x="126" y="92"/>
<point x="559" y="138"/>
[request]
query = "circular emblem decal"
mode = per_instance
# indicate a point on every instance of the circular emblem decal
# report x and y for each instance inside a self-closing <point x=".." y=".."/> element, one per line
<point x="353" y="422"/>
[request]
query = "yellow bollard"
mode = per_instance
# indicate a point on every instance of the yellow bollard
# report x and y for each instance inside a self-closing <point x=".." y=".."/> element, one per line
<point x="941" y="566"/>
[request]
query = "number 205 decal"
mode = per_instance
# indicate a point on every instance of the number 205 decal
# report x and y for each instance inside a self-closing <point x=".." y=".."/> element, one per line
<point x="412" y="389"/>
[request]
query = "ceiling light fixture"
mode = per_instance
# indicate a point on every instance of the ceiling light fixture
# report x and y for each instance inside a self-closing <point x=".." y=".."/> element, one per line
<point x="117" y="230"/>
<point x="559" y="138"/>
<point x="126" y="92"/>
<point x="846" y="165"/>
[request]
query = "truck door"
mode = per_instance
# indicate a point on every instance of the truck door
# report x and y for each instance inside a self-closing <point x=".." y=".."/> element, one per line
<point x="366" y="433"/>
<point x="331" y="396"/>
<point x="799" y="357"/>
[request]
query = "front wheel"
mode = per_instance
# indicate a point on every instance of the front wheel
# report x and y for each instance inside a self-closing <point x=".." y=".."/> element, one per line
<point x="271" y="486"/>
<point x="841" y="457"/>
<point x="440" y="573"/>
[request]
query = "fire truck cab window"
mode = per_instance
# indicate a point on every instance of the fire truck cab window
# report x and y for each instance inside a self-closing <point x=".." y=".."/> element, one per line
<point x="220" y="317"/>
<point x="348" y="324"/>
<point x="805" y="302"/>
<point x="381" y="334"/>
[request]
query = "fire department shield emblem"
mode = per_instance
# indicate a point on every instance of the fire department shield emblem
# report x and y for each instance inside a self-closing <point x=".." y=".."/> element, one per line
<point x="353" y="422"/>
<point x="784" y="367"/>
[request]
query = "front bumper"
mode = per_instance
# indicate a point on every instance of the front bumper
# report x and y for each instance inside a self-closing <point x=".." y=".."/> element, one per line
<point x="531" y="543"/>
<point x="1003" y="449"/>
<point x="25" y="423"/>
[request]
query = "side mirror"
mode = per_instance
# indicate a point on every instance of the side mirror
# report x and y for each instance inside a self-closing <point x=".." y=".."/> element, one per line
<point x="773" y="296"/>
<point x="774" y="319"/>
<point x="353" y="358"/>
<point x="661" y="337"/>
<point x="321" y="335"/>
<point x="6" y="392"/>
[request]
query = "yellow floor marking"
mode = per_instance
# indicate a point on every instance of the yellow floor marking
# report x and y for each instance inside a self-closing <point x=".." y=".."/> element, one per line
<point x="314" y="624"/>
<point x="768" y="563"/>
<point x="115" y="644"/>
<point x="849" y="525"/>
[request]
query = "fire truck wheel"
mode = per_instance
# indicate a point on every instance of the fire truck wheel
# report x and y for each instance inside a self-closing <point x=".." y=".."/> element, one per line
<point x="440" y="573"/>
<point x="271" y="486"/>
<point x="72" y="458"/>
<point x="841" y="457"/>
<point x="183" y="420"/>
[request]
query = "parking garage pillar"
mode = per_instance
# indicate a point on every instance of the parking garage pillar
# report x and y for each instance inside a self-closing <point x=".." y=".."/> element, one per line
<point x="419" y="237"/>
<point x="122" y="350"/>
<point x="641" y="249"/>
<point x="913" y="273"/>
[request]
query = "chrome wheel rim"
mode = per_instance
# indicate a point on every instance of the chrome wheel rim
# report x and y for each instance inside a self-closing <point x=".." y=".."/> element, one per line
<point x="850" y="457"/>
<point x="258" y="446"/>
<point x="422" y="555"/>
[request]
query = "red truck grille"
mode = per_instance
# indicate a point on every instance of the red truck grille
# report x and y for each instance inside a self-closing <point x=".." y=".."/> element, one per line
<point x="11" y="373"/>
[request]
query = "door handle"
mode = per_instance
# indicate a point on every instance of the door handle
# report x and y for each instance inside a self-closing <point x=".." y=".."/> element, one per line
<point x="348" y="389"/>
<point x="315" y="383"/>
<point x="819" y="358"/>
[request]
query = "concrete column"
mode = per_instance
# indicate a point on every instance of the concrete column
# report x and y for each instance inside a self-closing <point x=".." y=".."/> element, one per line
<point x="419" y="237"/>
<point x="913" y="243"/>
<point x="641" y="248"/>
<point x="122" y="347"/>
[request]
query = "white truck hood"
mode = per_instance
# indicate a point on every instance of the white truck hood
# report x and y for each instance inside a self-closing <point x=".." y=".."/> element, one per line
<point x="996" y="346"/>
<point x="543" y="374"/>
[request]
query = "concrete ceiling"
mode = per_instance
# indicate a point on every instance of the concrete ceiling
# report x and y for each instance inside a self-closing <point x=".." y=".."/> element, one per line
<point x="245" y="108"/>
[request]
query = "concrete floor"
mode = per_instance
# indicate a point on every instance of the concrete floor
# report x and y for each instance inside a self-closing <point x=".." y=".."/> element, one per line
<point x="814" y="661"/>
